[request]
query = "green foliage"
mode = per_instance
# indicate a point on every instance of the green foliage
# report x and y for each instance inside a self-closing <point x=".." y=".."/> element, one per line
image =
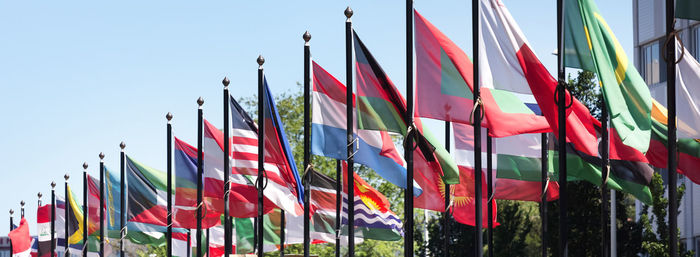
<point x="510" y="237"/>
<point x="656" y="241"/>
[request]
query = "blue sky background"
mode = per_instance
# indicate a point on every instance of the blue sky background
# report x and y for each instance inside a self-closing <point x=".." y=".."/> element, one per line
<point x="78" y="77"/>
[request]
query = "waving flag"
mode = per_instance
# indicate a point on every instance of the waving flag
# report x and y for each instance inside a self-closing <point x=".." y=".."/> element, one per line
<point x="375" y="149"/>
<point x="509" y="64"/>
<point x="20" y="239"/>
<point x="433" y="165"/>
<point x="43" y="227"/>
<point x="323" y="203"/>
<point x="591" y="45"/>
<point x="688" y="101"/>
<point x="444" y="87"/>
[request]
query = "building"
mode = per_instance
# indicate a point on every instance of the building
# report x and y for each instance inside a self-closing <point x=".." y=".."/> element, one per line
<point x="5" y="247"/>
<point x="649" y="37"/>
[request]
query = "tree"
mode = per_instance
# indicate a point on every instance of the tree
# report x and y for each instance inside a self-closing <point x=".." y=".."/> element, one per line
<point x="656" y="240"/>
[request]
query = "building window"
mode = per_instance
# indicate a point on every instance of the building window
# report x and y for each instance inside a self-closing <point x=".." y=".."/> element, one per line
<point x="653" y="68"/>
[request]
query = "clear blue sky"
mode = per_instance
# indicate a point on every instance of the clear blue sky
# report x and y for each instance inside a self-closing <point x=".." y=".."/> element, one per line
<point x="78" y="77"/>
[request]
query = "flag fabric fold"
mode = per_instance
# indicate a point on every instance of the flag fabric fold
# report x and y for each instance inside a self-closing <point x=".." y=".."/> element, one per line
<point x="688" y="101"/>
<point x="20" y="239"/>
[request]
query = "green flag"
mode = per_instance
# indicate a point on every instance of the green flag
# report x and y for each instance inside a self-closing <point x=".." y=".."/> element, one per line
<point x="688" y="9"/>
<point x="591" y="45"/>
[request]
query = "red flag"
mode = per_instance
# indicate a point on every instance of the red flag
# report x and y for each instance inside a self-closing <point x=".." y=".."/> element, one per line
<point x="20" y="239"/>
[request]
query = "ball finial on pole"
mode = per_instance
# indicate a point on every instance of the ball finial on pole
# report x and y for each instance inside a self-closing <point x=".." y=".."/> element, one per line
<point x="12" y="212"/>
<point x="21" y="203"/>
<point x="39" y="195"/>
<point x="348" y="12"/>
<point x="53" y="185"/>
<point x="200" y="101"/>
<point x="306" y="36"/>
<point x="85" y="165"/>
<point x="169" y="116"/>
<point x="261" y="60"/>
<point x="102" y="155"/>
<point x="226" y="81"/>
<point x="122" y="145"/>
<point x="66" y="177"/>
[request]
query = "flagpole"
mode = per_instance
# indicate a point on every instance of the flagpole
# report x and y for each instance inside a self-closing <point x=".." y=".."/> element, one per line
<point x="85" y="210"/>
<point x="489" y="191"/>
<point x="200" y="172"/>
<point x="561" y="101"/>
<point x="189" y="243"/>
<point x="479" y="242"/>
<point x="307" y="142"/>
<point x="350" y="131"/>
<point x="169" y="167"/>
<point x="53" y="218"/>
<point x="338" y="204"/>
<point x="261" y="151"/>
<point x="605" y="155"/>
<point x="227" y="169"/>
<point x="613" y="227"/>
<point x="102" y="204"/>
<point x="122" y="200"/>
<point x="39" y="201"/>
<point x="672" y="137"/>
<point x="282" y="227"/>
<point x="408" y="151"/>
<point x="207" y="249"/>
<point x="446" y="214"/>
<point x="12" y="228"/>
<point x="67" y="215"/>
<point x="543" y="201"/>
<point x="21" y="209"/>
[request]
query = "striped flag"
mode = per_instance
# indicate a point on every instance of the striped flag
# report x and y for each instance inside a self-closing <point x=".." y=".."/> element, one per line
<point x="43" y="227"/>
<point x="323" y="209"/>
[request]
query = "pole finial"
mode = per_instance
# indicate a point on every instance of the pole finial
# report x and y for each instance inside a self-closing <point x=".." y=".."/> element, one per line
<point x="169" y="116"/>
<point x="122" y="145"/>
<point x="261" y="60"/>
<point x="348" y="12"/>
<point x="66" y="177"/>
<point x="12" y="212"/>
<point x="200" y="101"/>
<point x="21" y="203"/>
<point x="53" y="185"/>
<point x="226" y="81"/>
<point x="102" y="155"/>
<point x="306" y="36"/>
<point x="39" y="195"/>
<point x="85" y="165"/>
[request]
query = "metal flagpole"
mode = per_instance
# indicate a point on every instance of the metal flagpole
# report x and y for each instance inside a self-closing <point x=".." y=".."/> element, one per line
<point x="102" y="204"/>
<point x="39" y="201"/>
<point x="12" y="228"/>
<point x="282" y="236"/>
<point x="67" y="215"/>
<point x="479" y="242"/>
<point x="446" y="214"/>
<point x="672" y="137"/>
<point x="21" y="209"/>
<point x="189" y="243"/>
<point x="122" y="193"/>
<point x="350" y="131"/>
<point x="169" y="167"/>
<point x="604" y="154"/>
<point x="408" y="151"/>
<point x="85" y="210"/>
<point x="338" y="204"/>
<point x="613" y="223"/>
<point x="227" y="169"/>
<point x="207" y="249"/>
<point x="307" y="142"/>
<point x="543" y="200"/>
<point x="489" y="192"/>
<point x="261" y="151"/>
<point x="53" y="217"/>
<point x="200" y="173"/>
<point x="561" y="101"/>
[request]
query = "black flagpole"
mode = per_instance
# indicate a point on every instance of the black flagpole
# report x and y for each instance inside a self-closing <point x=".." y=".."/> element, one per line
<point x="479" y="240"/>
<point x="350" y="132"/>
<point x="122" y="193"/>
<point x="446" y="214"/>
<point x="200" y="173"/>
<point x="408" y="151"/>
<point x="169" y="167"/>
<point x="261" y="151"/>
<point x="307" y="142"/>
<point x="67" y="215"/>
<point x="102" y="204"/>
<point x="53" y="217"/>
<point x="12" y="228"/>
<point x="672" y="137"/>
<point x="189" y="243"/>
<point x="543" y="200"/>
<point x="338" y="204"/>
<point x="282" y="236"/>
<point x="85" y="210"/>
<point x="489" y="191"/>
<point x="207" y="249"/>
<point x="39" y="201"/>
<point x="21" y="203"/>
<point x="561" y="99"/>
<point x="227" y="169"/>
<point x="604" y="154"/>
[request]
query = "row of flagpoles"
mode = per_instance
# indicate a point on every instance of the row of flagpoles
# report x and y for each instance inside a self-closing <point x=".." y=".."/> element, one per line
<point x="559" y="119"/>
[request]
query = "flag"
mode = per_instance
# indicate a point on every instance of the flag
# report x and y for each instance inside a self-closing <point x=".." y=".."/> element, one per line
<point x="517" y="163"/>
<point x="688" y="9"/>
<point x="591" y="45"/>
<point x="687" y="81"/>
<point x="243" y="198"/>
<point x="444" y="87"/>
<point x="688" y="149"/>
<point x="432" y="163"/>
<point x="76" y="226"/>
<point x="112" y="199"/>
<point x="93" y="206"/>
<point x="216" y="241"/>
<point x="180" y="244"/>
<point x="323" y="209"/>
<point x="373" y="216"/>
<point x="185" y="199"/>
<point x="20" y="239"/>
<point x="375" y="149"/>
<point x="508" y="63"/>
<point x="244" y="231"/>
<point x="43" y="227"/>
<point x="34" y="252"/>
<point x="60" y="228"/>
